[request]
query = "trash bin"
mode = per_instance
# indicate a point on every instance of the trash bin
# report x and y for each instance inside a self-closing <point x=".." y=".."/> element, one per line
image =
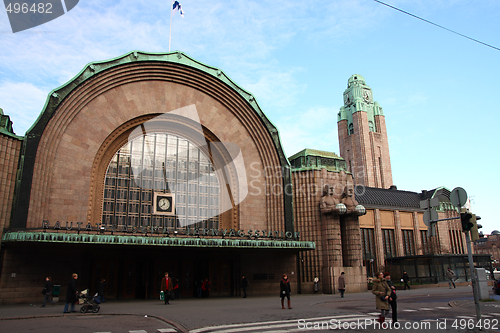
<point x="56" y="290"/>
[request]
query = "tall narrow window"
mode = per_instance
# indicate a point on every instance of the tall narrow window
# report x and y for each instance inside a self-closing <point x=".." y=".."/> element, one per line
<point x="161" y="162"/>
<point x="425" y="242"/>
<point x="408" y="244"/>
<point x="389" y="243"/>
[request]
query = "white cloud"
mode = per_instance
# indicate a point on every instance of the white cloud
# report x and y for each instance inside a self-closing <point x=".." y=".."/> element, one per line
<point x="22" y="102"/>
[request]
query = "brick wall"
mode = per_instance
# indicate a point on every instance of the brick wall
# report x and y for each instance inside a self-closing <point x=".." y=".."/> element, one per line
<point x="9" y="158"/>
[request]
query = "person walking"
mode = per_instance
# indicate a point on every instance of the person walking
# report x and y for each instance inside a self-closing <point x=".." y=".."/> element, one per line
<point x="341" y="284"/>
<point x="406" y="279"/>
<point x="100" y="290"/>
<point x="205" y="288"/>
<point x="47" y="291"/>
<point x="177" y="290"/>
<point x="382" y="293"/>
<point x="244" y="286"/>
<point x="450" y="275"/>
<point x="393" y="298"/>
<point x="166" y="286"/>
<point x="285" y="291"/>
<point x="71" y="295"/>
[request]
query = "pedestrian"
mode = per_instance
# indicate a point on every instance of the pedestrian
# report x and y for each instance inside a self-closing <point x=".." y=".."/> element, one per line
<point x="177" y="291"/>
<point x="198" y="284"/>
<point x="342" y="284"/>
<point x="285" y="291"/>
<point x="450" y="275"/>
<point x="393" y="298"/>
<point x="382" y="293"/>
<point x="406" y="279"/>
<point x="166" y="287"/>
<point x="244" y="285"/>
<point x="205" y="288"/>
<point x="47" y="291"/>
<point x="71" y="294"/>
<point x="100" y="290"/>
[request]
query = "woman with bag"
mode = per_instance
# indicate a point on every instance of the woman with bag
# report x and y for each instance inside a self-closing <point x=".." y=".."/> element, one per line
<point x="382" y="293"/>
<point x="285" y="291"/>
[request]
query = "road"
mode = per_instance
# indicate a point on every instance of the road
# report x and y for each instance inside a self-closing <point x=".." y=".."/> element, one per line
<point x="432" y="309"/>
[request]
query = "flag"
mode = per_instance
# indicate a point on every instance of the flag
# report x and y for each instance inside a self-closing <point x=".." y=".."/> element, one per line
<point x="177" y="7"/>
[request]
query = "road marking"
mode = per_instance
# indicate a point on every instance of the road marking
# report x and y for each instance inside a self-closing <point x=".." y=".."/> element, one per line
<point x="410" y="310"/>
<point x="167" y="330"/>
<point x="374" y="313"/>
<point x="443" y="307"/>
<point x="466" y="317"/>
<point x="495" y="314"/>
<point x="280" y="326"/>
<point x="138" y="331"/>
<point x="426" y="309"/>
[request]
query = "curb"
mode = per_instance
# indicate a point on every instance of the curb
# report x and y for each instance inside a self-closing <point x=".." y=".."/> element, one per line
<point x="179" y="327"/>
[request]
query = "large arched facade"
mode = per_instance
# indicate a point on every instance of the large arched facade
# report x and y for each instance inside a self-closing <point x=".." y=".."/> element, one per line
<point x="224" y="174"/>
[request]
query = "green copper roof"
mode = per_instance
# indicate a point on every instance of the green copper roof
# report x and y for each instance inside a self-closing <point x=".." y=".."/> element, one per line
<point x="313" y="159"/>
<point x="314" y="152"/>
<point x="82" y="238"/>
<point x="6" y="126"/>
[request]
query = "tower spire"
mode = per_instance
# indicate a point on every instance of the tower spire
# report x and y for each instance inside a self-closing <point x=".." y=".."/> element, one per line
<point x="363" y="136"/>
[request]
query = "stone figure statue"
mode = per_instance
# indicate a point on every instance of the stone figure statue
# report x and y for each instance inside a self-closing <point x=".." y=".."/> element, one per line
<point x="352" y="206"/>
<point x="328" y="201"/>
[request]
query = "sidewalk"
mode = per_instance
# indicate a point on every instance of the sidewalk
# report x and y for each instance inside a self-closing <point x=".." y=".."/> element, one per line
<point x="190" y="313"/>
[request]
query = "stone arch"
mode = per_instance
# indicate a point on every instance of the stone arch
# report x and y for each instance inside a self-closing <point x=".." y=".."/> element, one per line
<point x="57" y="175"/>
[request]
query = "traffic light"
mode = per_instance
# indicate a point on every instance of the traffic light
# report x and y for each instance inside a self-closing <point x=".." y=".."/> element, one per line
<point x="466" y="221"/>
<point x="474" y="231"/>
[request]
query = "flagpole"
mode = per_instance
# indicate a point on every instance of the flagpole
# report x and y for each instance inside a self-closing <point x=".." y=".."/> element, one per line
<point x="170" y="33"/>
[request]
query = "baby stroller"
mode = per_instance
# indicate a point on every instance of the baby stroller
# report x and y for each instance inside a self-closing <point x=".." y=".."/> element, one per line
<point x="89" y="303"/>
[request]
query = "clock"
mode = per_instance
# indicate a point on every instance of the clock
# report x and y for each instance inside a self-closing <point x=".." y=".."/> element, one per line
<point x="163" y="203"/>
<point x="366" y="95"/>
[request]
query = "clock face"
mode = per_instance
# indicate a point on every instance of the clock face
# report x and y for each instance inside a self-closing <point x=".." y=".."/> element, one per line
<point x="164" y="204"/>
<point x="366" y="95"/>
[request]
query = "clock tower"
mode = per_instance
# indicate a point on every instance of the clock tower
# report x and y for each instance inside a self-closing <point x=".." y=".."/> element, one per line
<point x="363" y="136"/>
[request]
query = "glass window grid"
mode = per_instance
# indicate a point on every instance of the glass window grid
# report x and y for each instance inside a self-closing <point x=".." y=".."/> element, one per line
<point x="408" y="243"/>
<point x="368" y="243"/>
<point x="127" y="203"/>
<point x="389" y="243"/>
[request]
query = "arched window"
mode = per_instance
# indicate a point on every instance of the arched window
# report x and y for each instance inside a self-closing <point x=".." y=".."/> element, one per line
<point x="351" y="129"/>
<point x="157" y="162"/>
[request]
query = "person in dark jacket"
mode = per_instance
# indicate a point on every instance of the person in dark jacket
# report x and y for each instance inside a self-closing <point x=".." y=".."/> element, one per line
<point x="167" y="286"/>
<point x="285" y="291"/>
<point x="244" y="286"/>
<point x="342" y="284"/>
<point x="71" y="294"/>
<point x="406" y="279"/>
<point x="205" y="288"/>
<point x="393" y="298"/>
<point x="48" y="291"/>
<point x="100" y="290"/>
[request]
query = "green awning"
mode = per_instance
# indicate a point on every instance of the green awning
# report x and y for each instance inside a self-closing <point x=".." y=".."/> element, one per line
<point x="83" y="238"/>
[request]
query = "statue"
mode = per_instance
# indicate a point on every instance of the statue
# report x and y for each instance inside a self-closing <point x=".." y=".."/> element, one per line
<point x="352" y="206"/>
<point x="328" y="201"/>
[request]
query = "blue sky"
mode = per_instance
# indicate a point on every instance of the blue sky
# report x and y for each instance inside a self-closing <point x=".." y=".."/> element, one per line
<point x="439" y="91"/>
